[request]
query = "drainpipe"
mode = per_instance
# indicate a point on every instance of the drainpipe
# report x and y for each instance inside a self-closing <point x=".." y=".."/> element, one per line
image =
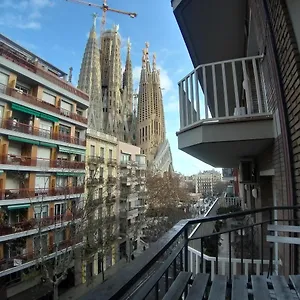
<point x="287" y="147"/>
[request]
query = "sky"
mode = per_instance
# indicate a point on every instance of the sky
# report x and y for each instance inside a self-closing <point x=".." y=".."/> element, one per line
<point x="57" y="31"/>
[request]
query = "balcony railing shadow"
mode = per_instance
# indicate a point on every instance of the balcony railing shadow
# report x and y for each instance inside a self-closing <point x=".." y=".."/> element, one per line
<point x="186" y="247"/>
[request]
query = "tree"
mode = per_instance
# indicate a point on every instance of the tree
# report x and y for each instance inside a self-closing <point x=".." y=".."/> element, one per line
<point x="168" y="202"/>
<point x="220" y="187"/>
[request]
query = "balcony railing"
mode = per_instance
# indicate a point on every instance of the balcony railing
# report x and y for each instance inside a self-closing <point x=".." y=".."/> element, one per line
<point x="93" y="159"/>
<point x="112" y="162"/>
<point x="9" y="228"/>
<point x="230" y="201"/>
<point x="221" y="83"/>
<point x="41" y="103"/>
<point x="19" y="160"/>
<point x="9" y="194"/>
<point x="95" y="181"/>
<point x="29" y="256"/>
<point x="23" y="61"/>
<point x="111" y="179"/>
<point x="246" y="251"/>
<point x="11" y="124"/>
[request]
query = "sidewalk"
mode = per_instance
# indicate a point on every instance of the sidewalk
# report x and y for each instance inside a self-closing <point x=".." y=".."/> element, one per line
<point x="78" y="291"/>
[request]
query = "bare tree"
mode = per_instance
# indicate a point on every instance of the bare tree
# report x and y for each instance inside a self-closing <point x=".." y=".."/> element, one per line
<point x="168" y="202"/>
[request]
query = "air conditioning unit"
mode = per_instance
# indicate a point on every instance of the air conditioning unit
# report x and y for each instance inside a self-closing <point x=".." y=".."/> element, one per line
<point x="248" y="171"/>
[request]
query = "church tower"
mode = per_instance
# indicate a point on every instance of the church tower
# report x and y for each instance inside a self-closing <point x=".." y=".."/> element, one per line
<point x="150" y="119"/>
<point x="90" y="79"/>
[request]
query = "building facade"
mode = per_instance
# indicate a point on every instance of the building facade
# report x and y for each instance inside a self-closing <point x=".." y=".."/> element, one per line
<point x="101" y="195"/>
<point x="42" y="146"/>
<point x="132" y="202"/>
<point x="205" y="183"/>
<point x="151" y="132"/>
<point x="262" y="75"/>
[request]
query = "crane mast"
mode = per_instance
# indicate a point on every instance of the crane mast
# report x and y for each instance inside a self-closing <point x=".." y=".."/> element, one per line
<point x="105" y="8"/>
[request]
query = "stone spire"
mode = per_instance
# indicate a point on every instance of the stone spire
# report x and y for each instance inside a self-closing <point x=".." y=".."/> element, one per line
<point x="90" y="79"/>
<point x="128" y="80"/>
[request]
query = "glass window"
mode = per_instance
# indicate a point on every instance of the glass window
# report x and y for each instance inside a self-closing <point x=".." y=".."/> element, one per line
<point x="102" y="152"/>
<point x="40" y="211"/>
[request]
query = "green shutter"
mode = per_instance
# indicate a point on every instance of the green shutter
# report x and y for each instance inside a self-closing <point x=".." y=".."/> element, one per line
<point x="19" y="139"/>
<point x="34" y="112"/>
<point x="49" y="118"/>
<point x="25" y="109"/>
<point x="69" y="174"/>
<point x="19" y="206"/>
<point x="48" y="145"/>
<point x="71" y="150"/>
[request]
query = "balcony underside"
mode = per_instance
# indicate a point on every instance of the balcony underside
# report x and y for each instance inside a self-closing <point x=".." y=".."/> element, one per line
<point x="222" y="143"/>
<point x="207" y="26"/>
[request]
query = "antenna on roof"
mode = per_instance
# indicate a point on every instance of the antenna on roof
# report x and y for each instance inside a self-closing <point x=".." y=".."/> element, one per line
<point x="70" y="74"/>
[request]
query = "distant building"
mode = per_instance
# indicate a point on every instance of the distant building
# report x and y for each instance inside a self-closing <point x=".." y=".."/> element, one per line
<point x="101" y="190"/>
<point x="206" y="181"/>
<point x="131" y="206"/>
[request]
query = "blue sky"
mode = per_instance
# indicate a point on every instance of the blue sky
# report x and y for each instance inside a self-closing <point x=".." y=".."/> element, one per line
<point x="57" y="31"/>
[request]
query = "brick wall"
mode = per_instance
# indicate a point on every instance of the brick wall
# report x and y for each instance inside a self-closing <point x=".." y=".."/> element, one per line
<point x="286" y="152"/>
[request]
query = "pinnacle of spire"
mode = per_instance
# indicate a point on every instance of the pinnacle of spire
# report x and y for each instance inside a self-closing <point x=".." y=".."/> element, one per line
<point x="90" y="79"/>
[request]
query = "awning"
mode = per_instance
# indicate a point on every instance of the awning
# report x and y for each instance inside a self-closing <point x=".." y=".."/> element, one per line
<point x="71" y="150"/>
<point x="69" y="174"/>
<point x="34" y="112"/>
<point x="48" y="117"/>
<point x="19" y="206"/>
<point x="23" y="140"/>
<point x="48" y="145"/>
<point x="25" y="109"/>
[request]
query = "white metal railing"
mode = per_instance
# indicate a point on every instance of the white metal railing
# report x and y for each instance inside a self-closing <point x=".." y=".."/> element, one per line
<point x="223" y="264"/>
<point x="230" y="201"/>
<point x="229" y="88"/>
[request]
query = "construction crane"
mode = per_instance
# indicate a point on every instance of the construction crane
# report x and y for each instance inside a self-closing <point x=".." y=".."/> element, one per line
<point x="105" y="8"/>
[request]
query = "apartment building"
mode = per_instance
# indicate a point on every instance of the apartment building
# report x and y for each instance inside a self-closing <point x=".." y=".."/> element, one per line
<point x="42" y="148"/>
<point x="205" y="182"/>
<point x="102" y="192"/>
<point x="246" y="61"/>
<point x="132" y="202"/>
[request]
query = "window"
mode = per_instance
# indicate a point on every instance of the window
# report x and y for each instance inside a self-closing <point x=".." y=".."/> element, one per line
<point x="40" y="243"/>
<point x="59" y="237"/>
<point x="101" y="172"/>
<point x="102" y="152"/>
<point x="125" y="157"/>
<point x="66" y="106"/>
<point x="93" y="150"/>
<point x="22" y="89"/>
<point x="60" y="209"/>
<point x="61" y="181"/>
<point x="41" y="182"/>
<point x="110" y="154"/>
<point x="49" y="98"/>
<point x="40" y="212"/>
<point x="64" y="130"/>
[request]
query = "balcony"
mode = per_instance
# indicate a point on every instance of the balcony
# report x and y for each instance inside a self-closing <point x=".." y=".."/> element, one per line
<point x="8" y="228"/>
<point x="19" y="160"/>
<point x="95" y="181"/>
<point x="112" y="162"/>
<point x="126" y="180"/>
<point x="41" y="103"/>
<point x="189" y="260"/>
<point x="14" y="194"/>
<point x="22" y="61"/>
<point x="125" y="164"/>
<point x="111" y="180"/>
<point x="12" y="125"/>
<point x="29" y="258"/>
<point x="223" y="106"/>
<point x="95" y="160"/>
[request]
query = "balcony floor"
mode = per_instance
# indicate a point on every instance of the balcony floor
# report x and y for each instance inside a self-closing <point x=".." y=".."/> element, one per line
<point x="258" y="287"/>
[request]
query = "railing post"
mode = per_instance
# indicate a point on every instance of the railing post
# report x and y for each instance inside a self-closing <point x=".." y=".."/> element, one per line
<point x="186" y="253"/>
